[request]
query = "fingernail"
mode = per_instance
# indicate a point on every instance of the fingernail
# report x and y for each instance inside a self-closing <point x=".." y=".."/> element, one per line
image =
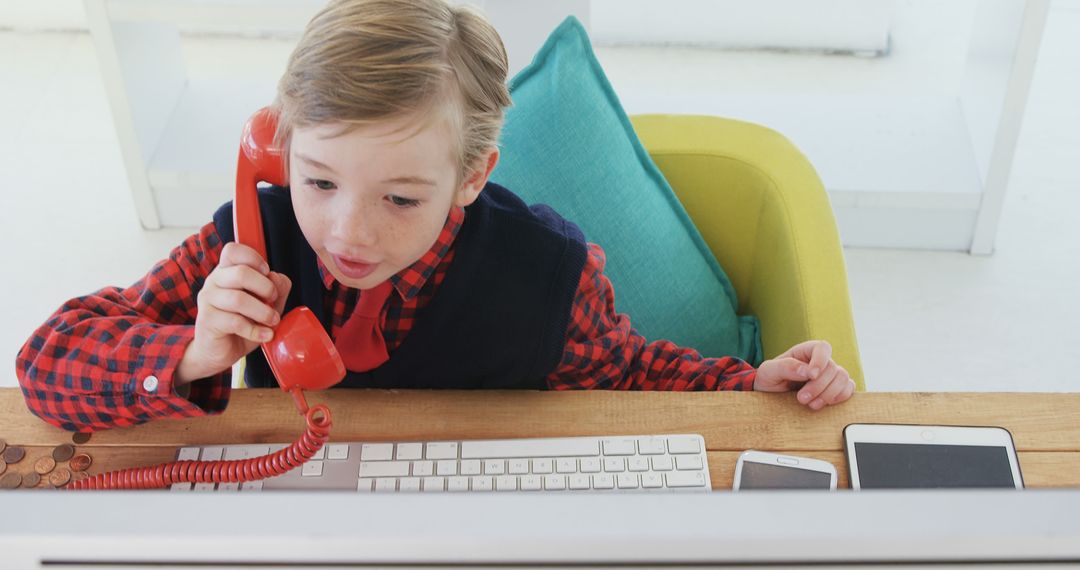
<point x="817" y="405"/>
<point x="802" y="371"/>
<point x="274" y="319"/>
<point x="814" y="372"/>
<point x="266" y="335"/>
<point x="265" y="269"/>
<point x="804" y="397"/>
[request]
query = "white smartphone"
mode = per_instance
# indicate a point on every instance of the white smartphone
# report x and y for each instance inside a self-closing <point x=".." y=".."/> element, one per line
<point x="764" y="470"/>
<point x="887" y="456"/>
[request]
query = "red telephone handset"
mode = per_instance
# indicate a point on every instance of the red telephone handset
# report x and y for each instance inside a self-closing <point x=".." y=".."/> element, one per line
<point x="301" y="354"/>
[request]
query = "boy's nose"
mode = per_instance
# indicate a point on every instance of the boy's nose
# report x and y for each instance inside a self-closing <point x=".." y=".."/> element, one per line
<point x="356" y="225"/>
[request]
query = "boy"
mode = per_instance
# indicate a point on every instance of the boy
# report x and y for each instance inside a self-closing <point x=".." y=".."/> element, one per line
<point x="389" y="113"/>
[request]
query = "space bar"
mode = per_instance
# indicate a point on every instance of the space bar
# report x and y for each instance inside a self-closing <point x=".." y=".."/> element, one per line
<point x="530" y="448"/>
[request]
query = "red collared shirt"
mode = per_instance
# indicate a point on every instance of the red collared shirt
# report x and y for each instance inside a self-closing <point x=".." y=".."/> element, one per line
<point x="107" y="359"/>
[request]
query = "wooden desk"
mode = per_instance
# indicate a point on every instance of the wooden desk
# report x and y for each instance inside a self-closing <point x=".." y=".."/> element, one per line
<point x="1046" y="427"/>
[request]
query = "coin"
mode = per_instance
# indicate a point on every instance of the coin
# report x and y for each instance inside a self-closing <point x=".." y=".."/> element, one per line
<point x="3" y="466"/>
<point x="3" y="445"/>
<point x="14" y="454"/>
<point x="31" y="480"/>
<point x="60" y="477"/>
<point x="63" y="452"/>
<point x="80" y="462"/>
<point x="44" y="464"/>
<point x="80" y="438"/>
<point x="10" y="481"/>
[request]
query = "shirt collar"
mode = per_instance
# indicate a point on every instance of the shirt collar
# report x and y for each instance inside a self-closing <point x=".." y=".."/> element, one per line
<point x="410" y="280"/>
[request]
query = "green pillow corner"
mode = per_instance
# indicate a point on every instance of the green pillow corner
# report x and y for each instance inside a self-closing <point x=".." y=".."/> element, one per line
<point x="568" y="143"/>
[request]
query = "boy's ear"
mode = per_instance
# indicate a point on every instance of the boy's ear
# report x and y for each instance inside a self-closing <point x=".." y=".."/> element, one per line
<point x="481" y="171"/>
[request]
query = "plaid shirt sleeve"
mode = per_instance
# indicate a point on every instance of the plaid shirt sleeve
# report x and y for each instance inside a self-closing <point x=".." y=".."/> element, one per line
<point x="87" y="367"/>
<point x="603" y="352"/>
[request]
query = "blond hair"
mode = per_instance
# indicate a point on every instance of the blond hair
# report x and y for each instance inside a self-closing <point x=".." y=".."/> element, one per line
<point x="364" y="61"/>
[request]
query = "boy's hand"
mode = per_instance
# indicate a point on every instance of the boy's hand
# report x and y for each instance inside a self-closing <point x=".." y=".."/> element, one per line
<point x="809" y="364"/>
<point x="240" y="303"/>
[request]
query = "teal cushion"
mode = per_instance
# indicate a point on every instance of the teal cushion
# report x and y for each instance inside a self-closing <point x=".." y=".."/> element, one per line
<point x="568" y="143"/>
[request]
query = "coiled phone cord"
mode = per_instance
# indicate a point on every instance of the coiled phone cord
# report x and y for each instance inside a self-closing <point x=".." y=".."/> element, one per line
<point x="226" y="471"/>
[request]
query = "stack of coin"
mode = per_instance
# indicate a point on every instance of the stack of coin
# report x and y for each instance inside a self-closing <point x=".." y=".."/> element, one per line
<point x="60" y="467"/>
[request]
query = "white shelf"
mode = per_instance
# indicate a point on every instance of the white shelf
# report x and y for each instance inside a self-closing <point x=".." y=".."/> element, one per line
<point x="924" y="171"/>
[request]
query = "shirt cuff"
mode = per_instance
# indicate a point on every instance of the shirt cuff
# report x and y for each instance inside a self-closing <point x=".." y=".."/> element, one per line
<point x="156" y="367"/>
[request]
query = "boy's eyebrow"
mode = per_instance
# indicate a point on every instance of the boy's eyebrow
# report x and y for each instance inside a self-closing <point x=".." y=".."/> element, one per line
<point x="315" y="163"/>
<point x="418" y="180"/>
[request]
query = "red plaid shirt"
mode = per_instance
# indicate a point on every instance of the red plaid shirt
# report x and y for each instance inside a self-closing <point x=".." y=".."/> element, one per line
<point x="107" y="359"/>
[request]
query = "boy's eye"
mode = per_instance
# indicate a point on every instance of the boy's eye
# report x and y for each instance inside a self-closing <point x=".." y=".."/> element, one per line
<point x="320" y="184"/>
<point x="403" y="202"/>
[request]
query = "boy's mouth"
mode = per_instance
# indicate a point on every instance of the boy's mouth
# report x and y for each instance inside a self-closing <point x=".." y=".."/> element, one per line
<point x="354" y="268"/>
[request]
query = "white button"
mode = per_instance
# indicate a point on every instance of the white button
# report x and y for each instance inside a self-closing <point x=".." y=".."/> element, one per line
<point x="150" y="383"/>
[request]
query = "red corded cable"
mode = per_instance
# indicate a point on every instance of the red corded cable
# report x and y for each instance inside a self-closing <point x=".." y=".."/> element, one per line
<point x="231" y="471"/>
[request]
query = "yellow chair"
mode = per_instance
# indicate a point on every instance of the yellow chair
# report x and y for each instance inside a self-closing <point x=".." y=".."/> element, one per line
<point x="763" y="211"/>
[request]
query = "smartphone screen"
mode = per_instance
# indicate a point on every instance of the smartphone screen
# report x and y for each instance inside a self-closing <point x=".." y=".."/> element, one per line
<point x="765" y="476"/>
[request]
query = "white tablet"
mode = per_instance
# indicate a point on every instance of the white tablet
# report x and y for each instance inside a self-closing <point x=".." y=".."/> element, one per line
<point x="886" y="456"/>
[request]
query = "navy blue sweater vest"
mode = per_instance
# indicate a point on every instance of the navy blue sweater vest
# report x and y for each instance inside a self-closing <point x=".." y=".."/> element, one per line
<point x="498" y="320"/>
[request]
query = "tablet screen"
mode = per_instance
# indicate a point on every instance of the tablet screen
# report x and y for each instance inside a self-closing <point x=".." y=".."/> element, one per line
<point x="764" y="476"/>
<point x="914" y="466"/>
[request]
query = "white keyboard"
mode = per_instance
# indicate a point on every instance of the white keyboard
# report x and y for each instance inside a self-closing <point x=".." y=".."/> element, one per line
<point x="601" y="464"/>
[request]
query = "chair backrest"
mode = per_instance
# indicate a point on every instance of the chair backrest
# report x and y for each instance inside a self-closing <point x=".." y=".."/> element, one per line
<point x="762" y="209"/>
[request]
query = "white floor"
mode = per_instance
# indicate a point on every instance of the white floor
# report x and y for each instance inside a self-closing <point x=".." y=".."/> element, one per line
<point x="926" y="320"/>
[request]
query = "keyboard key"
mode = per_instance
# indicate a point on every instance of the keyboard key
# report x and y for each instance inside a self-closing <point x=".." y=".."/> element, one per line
<point x="188" y="454"/>
<point x="410" y="451"/>
<point x="494" y="467"/>
<point x="446" y="467"/>
<point x="614" y="464"/>
<point x="409" y="484"/>
<point x="228" y="486"/>
<point x="442" y="450"/>
<point x="423" y="468"/>
<point x="684" y="444"/>
<point x="481" y="483"/>
<point x="470" y="467"/>
<point x="555" y="482"/>
<point x="337" y="451"/>
<point x="555" y="447"/>
<point x="685" y="479"/>
<point x="627" y="480"/>
<point x="688" y="462"/>
<point x="251" y="486"/>
<point x="212" y="453"/>
<point x="652" y="445"/>
<point x="652" y="480"/>
<point x="619" y="447"/>
<point x="542" y="466"/>
<point x="506" y="483"/>
<point x="519" y="466"/>
<point x="377" y="452"/>
<point x="603" y="481"/>
<point x="386" y="485"/>
<point x="531" y="483"/>
<point x="662" y="463"/>
<point x="234" y="452"/>
<point x="384" y="468"/>
<point x="365" y="485"/>
<point x="180" y="487"/>
<point x="579" y="482"/>
<point x="204" y="486"/>
<point x="311" y="469"/>
<point x="566" y="465"/>
<point x="434" y="484"/>
<point x="320" y="453"/>
<point x="639" y="464"/>
<point x="590" y="464"/>
<point x="457" y="484"/>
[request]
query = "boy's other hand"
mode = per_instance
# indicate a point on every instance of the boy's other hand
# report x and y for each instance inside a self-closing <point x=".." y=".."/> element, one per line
<point x="240" y="303"/>
<point x="810" y="365"/>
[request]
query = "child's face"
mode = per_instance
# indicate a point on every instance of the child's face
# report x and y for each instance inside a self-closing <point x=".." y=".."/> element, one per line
<point x="372" y="201"/>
